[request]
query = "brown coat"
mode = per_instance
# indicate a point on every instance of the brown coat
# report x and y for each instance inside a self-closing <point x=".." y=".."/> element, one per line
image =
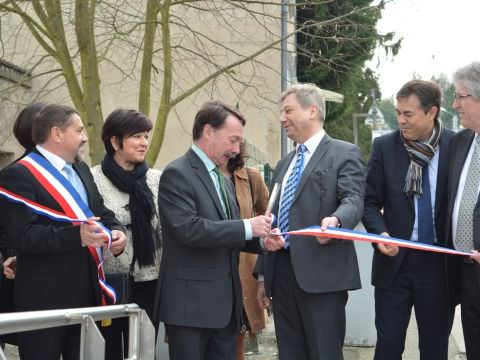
<point x="249" y="206"/>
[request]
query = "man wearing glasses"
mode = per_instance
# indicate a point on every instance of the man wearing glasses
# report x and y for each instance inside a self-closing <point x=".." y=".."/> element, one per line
<point x="463" y="221"/>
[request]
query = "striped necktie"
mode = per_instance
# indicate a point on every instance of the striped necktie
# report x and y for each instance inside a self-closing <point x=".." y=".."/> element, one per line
<point x="289" y="191"/>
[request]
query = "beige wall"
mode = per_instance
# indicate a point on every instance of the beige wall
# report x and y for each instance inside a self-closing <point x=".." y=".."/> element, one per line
<point x="254" y="86"/>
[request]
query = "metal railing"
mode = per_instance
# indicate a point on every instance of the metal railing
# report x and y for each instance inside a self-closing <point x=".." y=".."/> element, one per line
<point x="141" y="337"/>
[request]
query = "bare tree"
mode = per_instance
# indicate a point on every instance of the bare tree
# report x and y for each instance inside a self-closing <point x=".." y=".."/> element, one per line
<point x="170" y="48"/>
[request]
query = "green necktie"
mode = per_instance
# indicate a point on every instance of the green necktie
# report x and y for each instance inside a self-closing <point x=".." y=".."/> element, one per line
<point x="223" y="191"/>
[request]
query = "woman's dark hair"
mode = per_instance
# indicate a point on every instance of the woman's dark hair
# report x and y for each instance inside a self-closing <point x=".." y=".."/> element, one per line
<point x="239" y="160"/>
<point x="123" y="123"/>
<point x="22" y="128"/>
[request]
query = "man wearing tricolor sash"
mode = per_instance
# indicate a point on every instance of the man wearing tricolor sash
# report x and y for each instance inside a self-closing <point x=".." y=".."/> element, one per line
<point x="406" y="198"/>
<point x="58" y="262"/>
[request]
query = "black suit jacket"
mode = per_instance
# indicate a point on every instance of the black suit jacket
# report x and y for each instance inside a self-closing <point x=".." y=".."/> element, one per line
<point x="198" y="285"/>
<point x="386" y="173"/>
<point x="459" y="149"/>
<point x="53" y="269"/>
<point x="332" y="184"/>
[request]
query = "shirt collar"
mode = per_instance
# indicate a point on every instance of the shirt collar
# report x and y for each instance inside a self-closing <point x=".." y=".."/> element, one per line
<point x="209" y="164"/>
<point x="312" y="143"/>
<point x="55" y="160"/>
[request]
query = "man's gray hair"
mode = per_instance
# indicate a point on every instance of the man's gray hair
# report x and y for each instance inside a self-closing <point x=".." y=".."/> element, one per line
<point x="307" y="94"/>
<point x="469" y="76"/>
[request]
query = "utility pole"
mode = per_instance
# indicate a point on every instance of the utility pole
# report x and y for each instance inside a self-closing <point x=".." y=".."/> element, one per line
<point x="374" y="110"/>
<point x="355" y="118"/>
<point x="284" y="68"/>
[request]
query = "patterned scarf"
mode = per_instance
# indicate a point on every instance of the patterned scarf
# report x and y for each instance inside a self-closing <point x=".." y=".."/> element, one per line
<point x="420" y="154"/>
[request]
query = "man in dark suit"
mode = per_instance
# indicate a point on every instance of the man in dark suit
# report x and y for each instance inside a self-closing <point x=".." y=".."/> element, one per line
<point x="322" y="182"/>
<point x="55" y="269"/>
<point x="406" y="198"/>
<point x="463" y="226"/>
<point x="199" y="289"/>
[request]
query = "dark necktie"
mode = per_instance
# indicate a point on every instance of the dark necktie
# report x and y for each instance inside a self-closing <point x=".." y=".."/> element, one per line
<point x="289" y="191"/>
<point x="223" y="192"/>
<point x="425" y="219"/>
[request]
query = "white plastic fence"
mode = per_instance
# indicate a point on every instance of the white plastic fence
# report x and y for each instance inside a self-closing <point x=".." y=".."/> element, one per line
<point x="141" y="339"/>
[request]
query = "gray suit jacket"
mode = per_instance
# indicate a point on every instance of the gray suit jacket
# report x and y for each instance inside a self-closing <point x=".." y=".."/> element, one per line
<point x="198" y="285"/>
<point x="332" y="184"/>
<point x="459" y="148"/>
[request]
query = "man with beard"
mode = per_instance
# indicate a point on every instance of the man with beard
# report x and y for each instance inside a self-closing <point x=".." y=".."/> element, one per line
<point x="56" y="261"/>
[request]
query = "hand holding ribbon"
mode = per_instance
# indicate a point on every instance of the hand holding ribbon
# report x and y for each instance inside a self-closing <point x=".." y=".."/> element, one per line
<point x="388" y="249"/>
<point x="329" y="221"/>
<point x="119" y="239"/>
<point x="91" y="234"/>
<point x="274" y="240"/>
<point x="10" y="267"/>
<point x="261" y="225"/>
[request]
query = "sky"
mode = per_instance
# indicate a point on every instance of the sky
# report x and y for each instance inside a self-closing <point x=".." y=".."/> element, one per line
<point x="439" y="36"/>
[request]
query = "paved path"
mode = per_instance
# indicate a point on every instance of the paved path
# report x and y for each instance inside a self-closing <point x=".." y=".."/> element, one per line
<point x="268" y="350"/>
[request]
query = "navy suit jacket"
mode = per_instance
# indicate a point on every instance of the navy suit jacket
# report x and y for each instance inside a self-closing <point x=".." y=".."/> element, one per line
<point x="386" y="173"/>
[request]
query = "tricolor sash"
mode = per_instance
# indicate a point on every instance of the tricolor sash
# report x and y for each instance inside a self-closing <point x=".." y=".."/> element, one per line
<point x="347" y="234"/>
<point x="74" y="208"/>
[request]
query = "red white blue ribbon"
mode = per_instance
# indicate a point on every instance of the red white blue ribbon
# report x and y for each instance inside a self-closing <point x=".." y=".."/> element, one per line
<point x="74" y="208"/>
<point x="347" y="234"/>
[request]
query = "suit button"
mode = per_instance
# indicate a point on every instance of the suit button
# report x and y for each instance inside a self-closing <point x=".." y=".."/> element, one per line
<point x="229" y="274"/>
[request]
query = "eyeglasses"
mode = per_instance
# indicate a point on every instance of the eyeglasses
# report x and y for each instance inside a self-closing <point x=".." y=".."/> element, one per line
<point x="458" y="97"/>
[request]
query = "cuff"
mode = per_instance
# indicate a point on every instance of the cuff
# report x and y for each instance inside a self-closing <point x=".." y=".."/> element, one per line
<point x="248" y="229"/>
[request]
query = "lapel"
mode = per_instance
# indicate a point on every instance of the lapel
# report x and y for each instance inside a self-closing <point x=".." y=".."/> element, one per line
<point x="318" y="154"/>
<point x="404" y="160"/>
<point x="199" y="169"/>
<point x="458" y="160"/>
<point x="280" y="172"/>
<point x="442" y="172"/>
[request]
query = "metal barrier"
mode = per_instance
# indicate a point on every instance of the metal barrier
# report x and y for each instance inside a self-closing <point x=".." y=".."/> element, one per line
<point x="141" y="337"/>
